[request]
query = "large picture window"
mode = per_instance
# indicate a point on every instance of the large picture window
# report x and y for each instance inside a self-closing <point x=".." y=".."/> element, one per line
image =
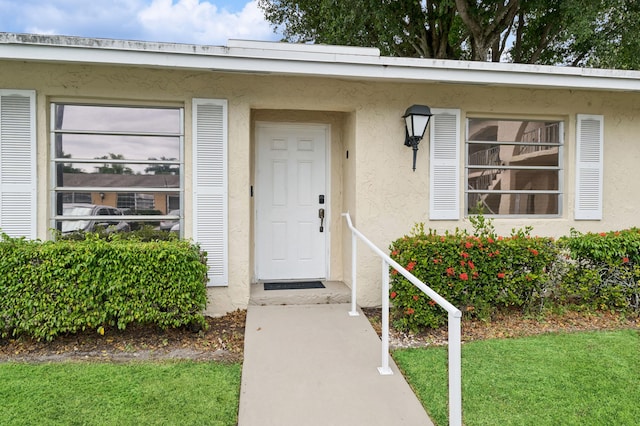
<point x="514" y="167"/>
<point x="125" y="160"/>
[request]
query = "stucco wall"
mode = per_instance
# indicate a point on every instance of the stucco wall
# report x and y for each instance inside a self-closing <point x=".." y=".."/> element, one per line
<point x="375" y="183"/>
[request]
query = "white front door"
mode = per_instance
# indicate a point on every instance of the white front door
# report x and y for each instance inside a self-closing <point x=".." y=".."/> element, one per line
<point x="290" y="196"/>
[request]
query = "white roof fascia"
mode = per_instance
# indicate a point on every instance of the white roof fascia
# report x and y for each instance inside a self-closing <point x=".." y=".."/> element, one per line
<point x="308" y="60"/>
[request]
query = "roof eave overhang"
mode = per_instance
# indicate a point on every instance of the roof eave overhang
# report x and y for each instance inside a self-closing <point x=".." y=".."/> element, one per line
<point x="304" y="60"/>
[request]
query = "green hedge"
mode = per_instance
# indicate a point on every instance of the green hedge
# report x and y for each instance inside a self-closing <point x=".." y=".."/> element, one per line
<point x="144" y="233"/>
<point x="476" y="273"/>
<point x="54" y="287"/>
<point x="599" y="271"/>
<point x="481" y="273"/>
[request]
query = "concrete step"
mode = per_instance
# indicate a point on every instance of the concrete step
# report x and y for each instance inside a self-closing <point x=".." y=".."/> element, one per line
<point x="334" y="292"/>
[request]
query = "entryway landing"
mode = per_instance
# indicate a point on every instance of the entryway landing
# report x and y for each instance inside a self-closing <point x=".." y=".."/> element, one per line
<point x="333" y="292"/>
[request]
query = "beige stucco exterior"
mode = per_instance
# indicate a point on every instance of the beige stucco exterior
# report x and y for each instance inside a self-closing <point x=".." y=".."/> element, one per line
<point x="374" y="182"/>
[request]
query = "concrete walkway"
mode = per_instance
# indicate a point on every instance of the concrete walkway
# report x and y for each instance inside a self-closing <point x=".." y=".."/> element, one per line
<point x="312" y="365"/>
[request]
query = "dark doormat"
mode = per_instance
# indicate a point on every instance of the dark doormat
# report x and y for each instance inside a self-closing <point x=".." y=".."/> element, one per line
<point x="294" y="285"/>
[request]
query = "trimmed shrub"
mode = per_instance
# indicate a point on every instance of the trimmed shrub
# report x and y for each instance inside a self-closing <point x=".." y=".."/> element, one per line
<point x="481" y="273"/>
<point x="477" y="273"/>
<point x="144" y="233"/>
<point x="600" y="271"/>
<point x="54" y="287"/>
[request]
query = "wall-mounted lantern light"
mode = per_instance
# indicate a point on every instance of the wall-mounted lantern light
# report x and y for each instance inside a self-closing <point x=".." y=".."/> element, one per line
<point x="416" y="119"/>
<point x="102" y="196"/>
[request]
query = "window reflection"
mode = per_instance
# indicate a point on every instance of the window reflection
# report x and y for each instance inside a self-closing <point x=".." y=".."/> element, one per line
<point x="114" y="119"/>
<point x="88" y="147"/>
<point x="124" y="160"/>
<point x="514" y="204"/>
<point x="513" y="166"/>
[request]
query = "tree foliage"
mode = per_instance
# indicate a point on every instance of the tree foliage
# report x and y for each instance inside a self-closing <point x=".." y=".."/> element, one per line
<point x="113" y="168"/>
<point x="597" y="33"/>
<point x="163" y="169"/>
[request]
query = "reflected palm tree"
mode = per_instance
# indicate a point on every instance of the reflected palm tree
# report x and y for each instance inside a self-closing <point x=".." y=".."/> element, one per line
<point x="163" y="169"/>
<point x="113" y="168"/>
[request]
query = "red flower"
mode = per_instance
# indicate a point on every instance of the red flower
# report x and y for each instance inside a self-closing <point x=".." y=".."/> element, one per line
<point x="490" y="240"/>
<point x="476" y="275"/>
<point x="432" y="302"/>
<point x="394" y="272"/>
<point x="603" y="234"/>
<point x="416" y="297"/>
<point x="410" y="311"/>
<point x="464" y="276"/>
<point x="394" y="253"/>
<point x="533" y="251"/>
<point x="465" y="255"/>
<point x="463" y="263"/>
<point x="436" y="261"/>
<point x="450" y="271"/>
<point x="499" y="238"/>
<point x="625" y="260"/>
<point x="468" y="245"/>
<point x="393" y="294"/>
<point x="471" y="265"/>
<point x="500" y="274"/>
<point x="410" y="266"/>
<point x="442" y="239"/>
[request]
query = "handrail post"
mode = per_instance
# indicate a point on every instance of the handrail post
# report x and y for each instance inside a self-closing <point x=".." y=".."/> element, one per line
<point x="354" y="310"/>
<point x="455" y="333"/>
<point x="455" y="370"/>
<point x="384" y="369"/>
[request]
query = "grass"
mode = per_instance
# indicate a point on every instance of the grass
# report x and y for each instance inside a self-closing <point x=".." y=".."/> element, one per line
<point x="185" y="393"/>
<point x="590" y="378"/>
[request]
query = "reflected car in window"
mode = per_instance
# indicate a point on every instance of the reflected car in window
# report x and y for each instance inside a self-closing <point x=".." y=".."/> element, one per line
<point x="109" y="224"/>
<point x="166" y="225"/>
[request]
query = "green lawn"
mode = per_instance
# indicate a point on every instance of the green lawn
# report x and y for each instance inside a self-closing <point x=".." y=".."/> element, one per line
<point x="590" y="378"/>
<point x="184" y="393"/>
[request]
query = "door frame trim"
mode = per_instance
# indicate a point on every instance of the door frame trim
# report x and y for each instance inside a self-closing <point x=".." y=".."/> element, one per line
<point x="327" y="176"/>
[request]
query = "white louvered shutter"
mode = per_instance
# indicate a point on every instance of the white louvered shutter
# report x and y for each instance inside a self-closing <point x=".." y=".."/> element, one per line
<point x="18" y="163"/>
<point x="589" y="152"/>
<point x="444" y="176"/>
<point x="210" y="185"/>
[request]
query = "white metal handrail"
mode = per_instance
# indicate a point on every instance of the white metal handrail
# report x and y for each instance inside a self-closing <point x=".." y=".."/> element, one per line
<point x="454" y="325"/>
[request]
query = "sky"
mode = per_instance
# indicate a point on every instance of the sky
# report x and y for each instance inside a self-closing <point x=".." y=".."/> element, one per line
<point x="211" y="22"/>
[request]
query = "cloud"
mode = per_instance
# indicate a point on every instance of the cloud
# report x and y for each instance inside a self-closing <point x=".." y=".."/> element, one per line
<point x="184" y="21"/>
<point x="98" y="18"/>
<point x="201" y="22"/>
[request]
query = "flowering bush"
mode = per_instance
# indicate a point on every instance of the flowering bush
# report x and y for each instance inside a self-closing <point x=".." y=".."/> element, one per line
<point x="600" y="271"/>
<point x="476" y="272"/>
<point x="482" y="272"/>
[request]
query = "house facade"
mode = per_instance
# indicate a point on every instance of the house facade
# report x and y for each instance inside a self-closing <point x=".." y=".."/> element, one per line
<point x="262" y="146"/>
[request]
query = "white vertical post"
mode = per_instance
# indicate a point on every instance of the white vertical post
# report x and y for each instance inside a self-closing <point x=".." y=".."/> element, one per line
<point x="455" y="371"/>
<point x="354" y="311"/>
<point x="384" y="369"/>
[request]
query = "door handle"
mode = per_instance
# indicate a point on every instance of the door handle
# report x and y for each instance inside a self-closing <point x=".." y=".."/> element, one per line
<point x="321" y="216"/>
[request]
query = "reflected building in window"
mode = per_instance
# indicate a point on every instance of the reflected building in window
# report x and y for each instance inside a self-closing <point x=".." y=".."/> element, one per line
<point x="514" y="167"/>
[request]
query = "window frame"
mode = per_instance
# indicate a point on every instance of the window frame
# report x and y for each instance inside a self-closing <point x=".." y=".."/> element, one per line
<point x="559" y="168"/>
<point x="56" y="218"/>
